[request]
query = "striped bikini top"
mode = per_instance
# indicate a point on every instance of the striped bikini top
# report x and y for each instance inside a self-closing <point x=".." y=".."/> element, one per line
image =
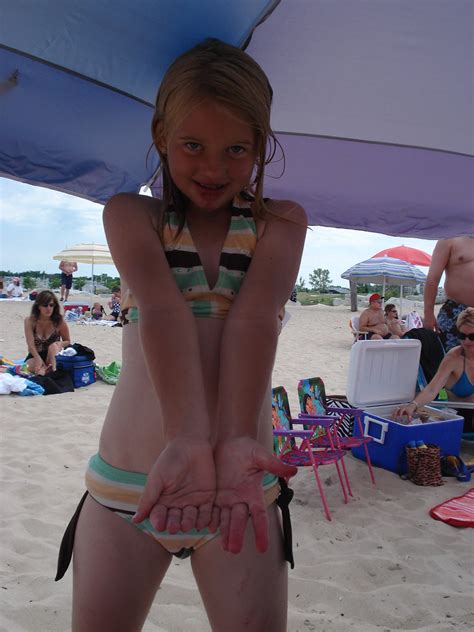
<point x="188" y="271"/>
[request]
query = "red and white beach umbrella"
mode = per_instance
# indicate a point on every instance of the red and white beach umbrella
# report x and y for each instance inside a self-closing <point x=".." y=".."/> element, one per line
<point x="405" y="253"/>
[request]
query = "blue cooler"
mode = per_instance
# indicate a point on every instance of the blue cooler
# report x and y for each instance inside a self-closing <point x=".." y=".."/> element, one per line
<point x="382" y="376"/>
<point x="82" y="369"/>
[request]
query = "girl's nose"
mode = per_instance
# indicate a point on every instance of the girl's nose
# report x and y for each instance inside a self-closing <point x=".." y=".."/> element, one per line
<point x="212" y="165"/>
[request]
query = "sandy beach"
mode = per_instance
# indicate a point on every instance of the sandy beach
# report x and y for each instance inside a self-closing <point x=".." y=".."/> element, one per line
<point x="382" y="564"/>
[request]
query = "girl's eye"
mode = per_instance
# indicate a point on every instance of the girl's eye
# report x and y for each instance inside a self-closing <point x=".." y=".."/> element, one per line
<point x="192" y="146"/>
<point x="236" y="150"/>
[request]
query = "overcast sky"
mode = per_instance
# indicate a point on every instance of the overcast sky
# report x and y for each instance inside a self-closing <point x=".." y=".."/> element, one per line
<point x="37" y="223"/>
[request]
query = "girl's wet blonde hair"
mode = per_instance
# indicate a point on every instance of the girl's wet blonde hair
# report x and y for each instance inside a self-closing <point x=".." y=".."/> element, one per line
<point x="226" y="75"/>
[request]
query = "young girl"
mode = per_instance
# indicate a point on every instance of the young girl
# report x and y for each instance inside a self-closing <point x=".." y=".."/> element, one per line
<point x="205" y="274"/>
<point x="46" y="333"/>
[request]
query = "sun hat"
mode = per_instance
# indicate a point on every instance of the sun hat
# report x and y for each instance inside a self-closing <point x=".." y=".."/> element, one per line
<point x="375" y="297"/>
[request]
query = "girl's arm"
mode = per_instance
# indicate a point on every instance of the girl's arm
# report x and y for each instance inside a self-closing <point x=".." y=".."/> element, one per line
<point x="247" y="355"/>
<point x="167" y="328"/>
<point x="251" y="331"/>
<point x="180" y="488"/>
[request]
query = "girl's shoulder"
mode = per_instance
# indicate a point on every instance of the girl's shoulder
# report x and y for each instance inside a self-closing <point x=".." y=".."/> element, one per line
<point x="286" y="209"/>
<point x="130" y="206"/>
<point x="281" y="215"/>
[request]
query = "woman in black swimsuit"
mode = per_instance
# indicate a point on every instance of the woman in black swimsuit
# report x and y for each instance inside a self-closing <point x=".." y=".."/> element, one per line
<point x="46" y="333"/>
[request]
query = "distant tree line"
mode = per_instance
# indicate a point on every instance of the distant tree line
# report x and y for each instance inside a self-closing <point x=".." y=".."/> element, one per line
<point x="31" y="279"/>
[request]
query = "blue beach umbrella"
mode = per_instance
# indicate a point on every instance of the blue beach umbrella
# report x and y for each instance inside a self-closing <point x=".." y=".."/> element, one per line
<point x="387" y="271"/>
<point x="372" y="100"/>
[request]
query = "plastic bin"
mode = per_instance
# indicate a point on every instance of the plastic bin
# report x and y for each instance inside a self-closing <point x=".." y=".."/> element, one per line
<point x="382" y="375"/>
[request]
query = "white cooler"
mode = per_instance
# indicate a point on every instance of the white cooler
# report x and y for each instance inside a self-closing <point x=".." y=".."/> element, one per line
<point x="383" y="375"/>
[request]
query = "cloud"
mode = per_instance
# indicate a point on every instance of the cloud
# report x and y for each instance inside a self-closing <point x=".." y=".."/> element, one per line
<point x="38" y="223"/>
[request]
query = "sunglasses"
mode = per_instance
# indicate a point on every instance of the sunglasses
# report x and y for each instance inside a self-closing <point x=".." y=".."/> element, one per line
<point x="462" y="336"/>
<point x="47" y="305"/>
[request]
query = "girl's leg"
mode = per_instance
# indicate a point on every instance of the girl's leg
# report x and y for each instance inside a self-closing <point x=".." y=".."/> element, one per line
<point x="248" y="591"/>
<point x="117" y="571"/>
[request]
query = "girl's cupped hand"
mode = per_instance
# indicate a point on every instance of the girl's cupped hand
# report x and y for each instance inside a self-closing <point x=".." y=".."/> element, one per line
<point x="241" y="464"/>
<point x="180" y="489"/>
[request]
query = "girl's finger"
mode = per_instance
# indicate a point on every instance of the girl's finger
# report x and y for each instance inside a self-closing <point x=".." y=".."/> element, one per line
<point x="174" y="520"/>
<point x="190" y="516"/>
<point x="224" y="525"/>
<point x="205" y="517"/>
<point x="260" y="526"/>
<point x="270" y="463"/>
<point x="148" y="499"/>
<point x="239" y="516"/>
<point x="215" y="520"/>
<point x="158" y="517"/>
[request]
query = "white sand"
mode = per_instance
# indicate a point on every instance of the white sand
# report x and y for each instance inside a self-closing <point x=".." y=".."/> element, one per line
<point x="382" y="563"/>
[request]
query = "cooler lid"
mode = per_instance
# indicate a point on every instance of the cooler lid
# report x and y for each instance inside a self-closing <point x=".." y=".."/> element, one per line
<point x="383" y="372"/>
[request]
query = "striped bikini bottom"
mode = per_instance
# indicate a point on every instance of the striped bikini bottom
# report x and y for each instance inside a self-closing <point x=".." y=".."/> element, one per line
<point x="120" y="491"/>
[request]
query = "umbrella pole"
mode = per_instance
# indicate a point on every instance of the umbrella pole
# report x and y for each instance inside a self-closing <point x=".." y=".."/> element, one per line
<point x="93" y="284"/>
<point x="401" y="302"/>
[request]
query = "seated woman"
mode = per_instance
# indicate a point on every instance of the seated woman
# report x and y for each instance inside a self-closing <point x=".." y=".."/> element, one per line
<point x="46" y="333"/>
<point x="392" y="321"/>
<point x="456" y="371"/>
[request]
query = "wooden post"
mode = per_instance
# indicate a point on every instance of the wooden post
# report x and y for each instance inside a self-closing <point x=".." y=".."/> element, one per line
<point x="353" y="287"/>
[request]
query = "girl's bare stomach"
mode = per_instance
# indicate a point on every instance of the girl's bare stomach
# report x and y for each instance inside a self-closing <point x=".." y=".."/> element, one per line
<point x="132" y="436"/>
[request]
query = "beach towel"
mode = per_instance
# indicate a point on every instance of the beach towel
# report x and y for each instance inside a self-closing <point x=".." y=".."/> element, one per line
<point x="110" y="373"/>
<point x="457" y="511"/>
<point x="103" y="323"/>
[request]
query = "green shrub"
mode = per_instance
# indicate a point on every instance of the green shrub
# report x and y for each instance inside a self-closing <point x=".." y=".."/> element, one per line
<point x="309" y="298"/>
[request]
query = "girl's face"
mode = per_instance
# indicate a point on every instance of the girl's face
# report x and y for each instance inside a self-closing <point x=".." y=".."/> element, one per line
<point x="211" y="155"/>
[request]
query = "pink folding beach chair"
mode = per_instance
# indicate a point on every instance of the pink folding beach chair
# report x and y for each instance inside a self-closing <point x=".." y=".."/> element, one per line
<point x="312" y="398"/>
<point x="303" y="454"/>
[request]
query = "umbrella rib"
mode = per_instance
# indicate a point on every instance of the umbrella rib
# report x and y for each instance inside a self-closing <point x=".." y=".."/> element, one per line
<point x="374" y="142"/>
<point x="74" y="73"/>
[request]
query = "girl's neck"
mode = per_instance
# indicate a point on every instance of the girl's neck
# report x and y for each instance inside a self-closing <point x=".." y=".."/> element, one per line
<point x="198" y="215"/>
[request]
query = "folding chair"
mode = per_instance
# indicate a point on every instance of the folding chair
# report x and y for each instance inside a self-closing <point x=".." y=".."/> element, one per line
<point x="312" y="398"/>
<point x="354" y="327"/>
<point x="303" y="454"/>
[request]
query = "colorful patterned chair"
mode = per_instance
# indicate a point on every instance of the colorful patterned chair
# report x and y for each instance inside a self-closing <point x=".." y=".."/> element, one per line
<point x="312" y="398"/>
<point x="302" y="453"/>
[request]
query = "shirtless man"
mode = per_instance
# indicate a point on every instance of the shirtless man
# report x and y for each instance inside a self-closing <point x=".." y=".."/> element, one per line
<point x="455" y="257"/>
<point x="372" y="321"/>
<point x="67" y="268"/>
